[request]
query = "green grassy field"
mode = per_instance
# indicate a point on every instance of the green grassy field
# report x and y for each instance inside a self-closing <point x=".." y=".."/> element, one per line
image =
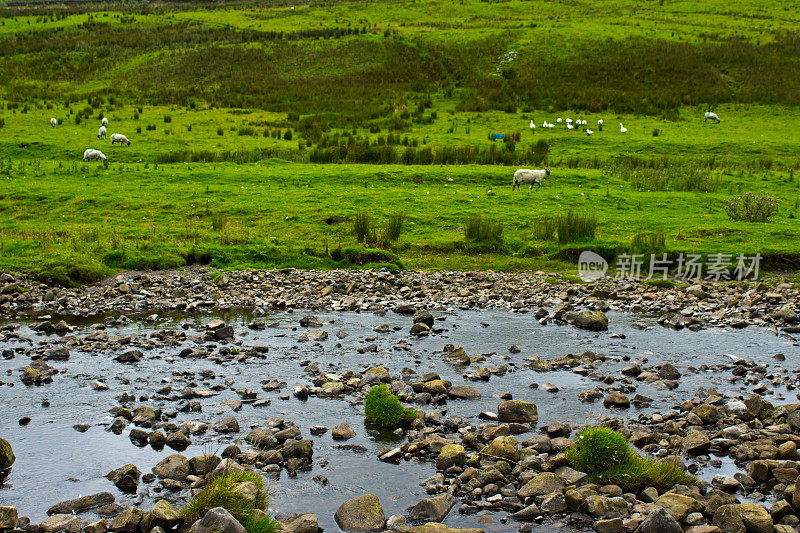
<point x="233" y="108"/>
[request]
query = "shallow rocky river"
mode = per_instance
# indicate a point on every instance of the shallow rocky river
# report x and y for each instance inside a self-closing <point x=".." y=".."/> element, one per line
<point x="55" y="462"/>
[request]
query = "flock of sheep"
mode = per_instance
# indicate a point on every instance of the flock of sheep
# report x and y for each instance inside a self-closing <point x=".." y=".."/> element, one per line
<point x="91" y="153"/>
<point x="524" y="175"/>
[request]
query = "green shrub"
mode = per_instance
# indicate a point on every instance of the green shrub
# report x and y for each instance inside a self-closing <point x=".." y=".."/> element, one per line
<point x="384" y="408"/>
<point x="597" y="449"/>
<point x="544" y="229"/>
<point x="662" y="283"/>
<point x="575" y="226"/>
<point x="751" y="208"/>
<point x="606" y="456"/>
<point x="167" y="119"/>
<point x="222" y="492"/>
<point x="483" y="229"/>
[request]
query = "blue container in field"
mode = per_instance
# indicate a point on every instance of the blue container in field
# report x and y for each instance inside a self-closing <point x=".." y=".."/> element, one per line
<point x="497" y="135"/>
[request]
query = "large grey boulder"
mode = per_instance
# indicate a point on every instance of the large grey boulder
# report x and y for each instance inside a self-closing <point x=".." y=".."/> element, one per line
<point x="217" y="520"/>
<point x="433" y="509"/>
<point x="176" y="467"/>
<point x="659" y="521"/>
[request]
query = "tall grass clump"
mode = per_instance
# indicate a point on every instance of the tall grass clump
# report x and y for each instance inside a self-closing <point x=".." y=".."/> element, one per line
<point x="574" y="226"/>
<point x="224" y="492"/>
<point x="695" y="179"/>
<point x="648" y="242"/>
<point x="649" y="179"/>
<point x="394" y="227"/>
<point x="751" y="207"/>
<point x="606" y="456"/>
<point x="544" y="229"/>
<point x="483" y="229"/>
<point x="362" y="227"/>
<point x="384" y="409"/>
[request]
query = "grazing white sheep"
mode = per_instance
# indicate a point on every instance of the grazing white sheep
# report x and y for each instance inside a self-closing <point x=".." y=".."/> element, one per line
<point x="533" y="126"/>
<point x="710" y="116"/>
<point x="529" y="176"/>
<point x="568" y="121"/>
<point x="91" y="153"/>
<point x="600" y="122"/>
<point x="589" y="132"/>
<point x="551" y="125"/>
<point x="558" y="120"/>
<point x="119" y="138"/>
<point x="101" y="133"/>
<point x="104" y="122"/>
<point x="53" y="122"/>
<point x="545" y="125"/>
<point x="570" y="126"/>
<point x="622" y="129"/>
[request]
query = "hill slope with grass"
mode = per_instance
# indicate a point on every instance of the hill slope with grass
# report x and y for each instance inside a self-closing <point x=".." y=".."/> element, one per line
<point x="262" y="132"/>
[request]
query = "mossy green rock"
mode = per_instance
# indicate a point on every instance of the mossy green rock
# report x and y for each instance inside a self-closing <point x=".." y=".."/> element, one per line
<point x="741" y="518"/>
<point x="362" y="513"/>
<point x="451" y="454"/>
<point x="541" y="485"/>
<point x="163" y="515"/>
<point x="7" y="457"/>
<point x="517" y="411"/>
<point x="678" y="505"/>
<point x="503" y="448"/>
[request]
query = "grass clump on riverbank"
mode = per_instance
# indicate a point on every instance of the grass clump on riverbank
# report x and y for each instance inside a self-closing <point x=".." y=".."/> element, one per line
<point x="606" y="456"/>
<point x="243" y="494"/>
<point x="384" y="408"/>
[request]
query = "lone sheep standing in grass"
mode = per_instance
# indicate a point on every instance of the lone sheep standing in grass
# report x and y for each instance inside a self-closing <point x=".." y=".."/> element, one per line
<point x="710" y="116"/>
<point x="53" y="122"/>
<point x="104" y="122"/>
<point x="91" y="153"/>
<point x="119" y="138"/>
<point x="529" y="176"/>
<point x="101" y="133"/>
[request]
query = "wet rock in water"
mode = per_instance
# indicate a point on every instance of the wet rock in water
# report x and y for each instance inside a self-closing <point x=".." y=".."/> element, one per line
<point x="435" y="527"/>
<point x="309" y="321"/>
<point x="225" y="467"/>
<point x="464" y="392"/>
<point x="342" y="432"/>
<point x="178" y="440"/>
<point x="514" y="349"/>
<point x="419" y="329"/>
<point x="659" y="521"/>
<point x="668" y="371"/>
<point x="96" y="527"/>
<point x="7" y="457"/>
<point x="304" y="523"/>
<point x="590" y="320"/>
<point x="126" y="478"/>
<point x="450" y="455"/>
<point x="176" y="467"/>
<point x="68" y="523"/>
<point x="8" y="517"/>
<point x="315" y="335"/>
<point x="527" y="514"/>
<point x="163" y="515"/>
<point x="423" y="317"/>
<point x="131" y="356"/>
<point x="679" y="506"/>
<point x="226" y="425"/>
<point x="696" y="443"/>
<point x="502" y="448"/>
<point x="749" y="517"/>
<point x="317" y="430"/>
<point x="590" y="396"/>
<point x="203" y="464"/>
<point x="217" y="520"/>
<point x="616" y="399"/>
<point x="84" y="503"/>
<point x="56" y="354"/>
<point x="361" y="514"/>
<point x="432" y="509"/>
<point x="262" y="439"/>
<point x="517" y="411"/>
<point x="541" y="485"/>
